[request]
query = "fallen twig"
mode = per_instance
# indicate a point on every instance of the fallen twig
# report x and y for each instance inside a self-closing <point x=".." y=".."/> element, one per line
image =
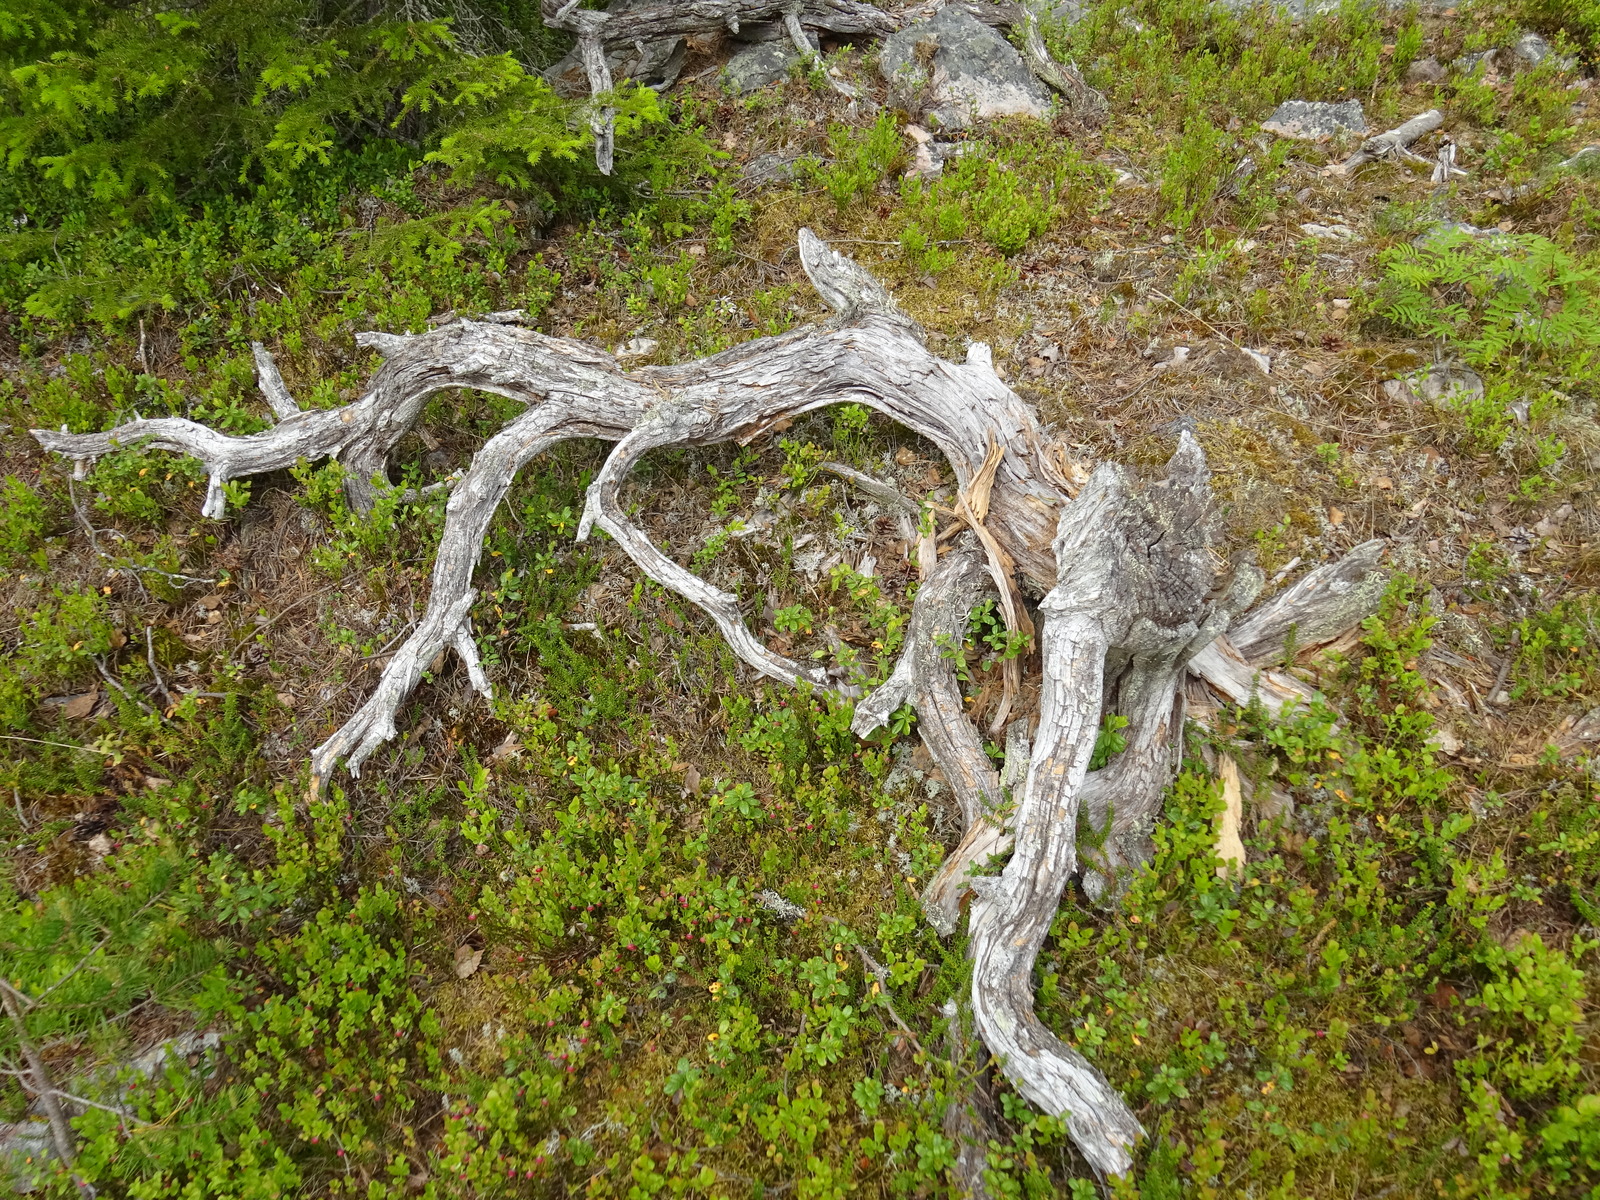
<point x="1393" y="144"/>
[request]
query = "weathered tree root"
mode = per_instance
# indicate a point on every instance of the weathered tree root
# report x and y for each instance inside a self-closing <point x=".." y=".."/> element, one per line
<point x="1129" y="578"/>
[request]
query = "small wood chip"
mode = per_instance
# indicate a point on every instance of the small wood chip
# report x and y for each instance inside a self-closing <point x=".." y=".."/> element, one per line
<point x="1230" y="848"/>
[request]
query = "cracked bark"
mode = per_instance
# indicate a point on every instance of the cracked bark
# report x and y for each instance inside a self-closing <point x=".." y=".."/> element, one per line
<point x="1131" y="600"/>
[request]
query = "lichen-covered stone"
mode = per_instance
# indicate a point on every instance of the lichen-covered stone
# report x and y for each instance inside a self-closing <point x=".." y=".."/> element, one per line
<point x="1315" y="121"/>
<point x="1425" y="70"/>
<point x="754" y="67"/>
<point x="960" y="71"/>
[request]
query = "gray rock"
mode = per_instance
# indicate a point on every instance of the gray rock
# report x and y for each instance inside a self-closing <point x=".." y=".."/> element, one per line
<point x="1585" y="161"/>
<point x="1425" y="70"/>
<point x="1468" y="63"/>
<point x="27" y="1156"/>
<point x="1053" y="14"/>
<point x="1439" y="383"/>
<point x="1530" y="50"/>
<point x="1442" y="229"/>
<point x="769" y="168"/>
<point x="1336" y="232"/>
<point x="960" y="71"/>
<point x="1314" y="121"/>
<point x="654" y="64"/>
<point x="754" y="67"/>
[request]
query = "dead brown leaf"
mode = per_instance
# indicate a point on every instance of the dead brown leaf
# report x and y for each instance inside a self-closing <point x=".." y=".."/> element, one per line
<point x="467" y="960"/>
<point x="80" y="706"/>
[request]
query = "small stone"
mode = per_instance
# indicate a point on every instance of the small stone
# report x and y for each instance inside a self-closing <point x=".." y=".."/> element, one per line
<point x="1549" y="526"/>
<point x="80" y="706"/>
<point x="768" y="168"/>
<point x="1056" y="13"/>
<point x="1443" y="229"/>
<point x="1440" y="382"/>
<point x="1529" y="50"/>
<point x="1425" y="70"/>
<point x="1341" y="233"/>
<point x="639" y="347"/>
<point x="1444" y="741"/>
<point x="1262" y="361"/>
<point x="764" y="63"/>
<point x="924" y="165"/>
<point x="1585" y="161"/>
<point x="1315" y="121"/>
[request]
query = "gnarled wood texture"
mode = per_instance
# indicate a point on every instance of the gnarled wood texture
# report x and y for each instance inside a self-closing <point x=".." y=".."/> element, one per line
<point x="1129" y="575"/>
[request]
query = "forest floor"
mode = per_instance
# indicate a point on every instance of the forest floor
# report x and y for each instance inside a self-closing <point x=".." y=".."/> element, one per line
<point x="527" y="952"/>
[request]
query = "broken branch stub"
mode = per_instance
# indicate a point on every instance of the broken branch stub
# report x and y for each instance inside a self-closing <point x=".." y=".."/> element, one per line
<point x="1396" y="143"/>
<point x="1317" y="608"/>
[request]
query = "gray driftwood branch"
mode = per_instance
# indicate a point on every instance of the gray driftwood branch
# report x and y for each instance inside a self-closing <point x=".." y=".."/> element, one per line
<point x="1132" y="605"/>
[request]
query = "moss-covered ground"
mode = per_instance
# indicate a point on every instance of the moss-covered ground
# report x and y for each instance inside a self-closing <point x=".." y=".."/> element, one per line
<point x="524" y="954"/>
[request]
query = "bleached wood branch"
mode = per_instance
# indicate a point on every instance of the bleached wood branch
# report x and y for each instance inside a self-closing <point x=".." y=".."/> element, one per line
<point x="1064" y="78"/>
<point x="272" y="385"/>
<point x="1395" y="143"/>
<point x="1128" y="576"/>
<point x="1134" y="575"/>
<point x="926" y="677"/>
<point x="811" y="55"/>
<point x="590" y="27"/>
<point x="647" y="22"/>
<point x="39" y="1081"/>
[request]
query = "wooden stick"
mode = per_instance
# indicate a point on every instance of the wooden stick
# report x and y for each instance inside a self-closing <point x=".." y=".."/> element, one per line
<point x="43" y="1087"/>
